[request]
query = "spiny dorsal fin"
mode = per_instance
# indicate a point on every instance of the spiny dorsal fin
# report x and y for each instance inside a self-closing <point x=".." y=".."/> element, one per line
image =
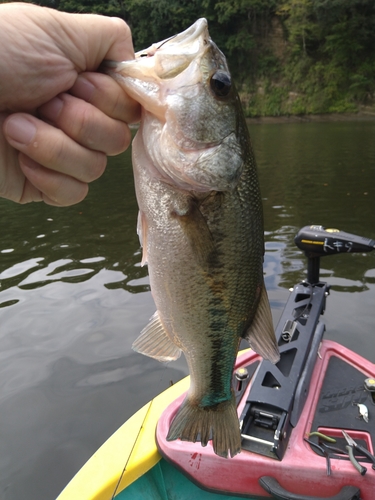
<point x="155" y="343"/>
<point x="261" y="334"/>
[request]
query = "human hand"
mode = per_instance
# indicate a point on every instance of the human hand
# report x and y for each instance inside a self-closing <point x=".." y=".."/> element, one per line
<point x="58" y="118"/>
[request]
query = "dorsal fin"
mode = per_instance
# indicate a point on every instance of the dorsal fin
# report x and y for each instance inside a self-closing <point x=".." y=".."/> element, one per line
<point x="261" y="334"/>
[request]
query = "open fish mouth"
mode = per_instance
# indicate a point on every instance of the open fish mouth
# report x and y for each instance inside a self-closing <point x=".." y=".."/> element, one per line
<point x="188" y="43"/>
<point x="167" y="58"/>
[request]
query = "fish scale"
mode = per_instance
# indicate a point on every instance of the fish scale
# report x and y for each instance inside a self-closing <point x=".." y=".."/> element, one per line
<point x="201" y="227"/>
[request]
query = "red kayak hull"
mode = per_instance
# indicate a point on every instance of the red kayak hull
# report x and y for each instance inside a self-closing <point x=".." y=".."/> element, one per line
<point x="301" y="471"/>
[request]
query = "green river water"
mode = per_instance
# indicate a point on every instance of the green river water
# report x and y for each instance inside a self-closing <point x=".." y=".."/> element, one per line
<point x="73" y="296"/>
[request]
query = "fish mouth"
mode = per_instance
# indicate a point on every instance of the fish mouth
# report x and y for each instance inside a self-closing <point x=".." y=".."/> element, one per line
<point x="187" y="43"/>
<point x="167" y="58"/>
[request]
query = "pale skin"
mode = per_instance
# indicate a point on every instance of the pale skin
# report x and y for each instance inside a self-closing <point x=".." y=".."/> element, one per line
<point x="59" y="117"/>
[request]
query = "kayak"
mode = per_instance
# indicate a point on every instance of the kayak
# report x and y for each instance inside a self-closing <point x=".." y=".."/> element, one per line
<point x="307" y="423"/>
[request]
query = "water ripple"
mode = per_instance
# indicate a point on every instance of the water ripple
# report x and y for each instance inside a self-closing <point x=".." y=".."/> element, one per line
<point x="20" y="268"/>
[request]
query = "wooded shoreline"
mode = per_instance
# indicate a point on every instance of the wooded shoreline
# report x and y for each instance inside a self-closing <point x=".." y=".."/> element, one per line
<point x="318" y="118"/>
<point x="287" y="57"/>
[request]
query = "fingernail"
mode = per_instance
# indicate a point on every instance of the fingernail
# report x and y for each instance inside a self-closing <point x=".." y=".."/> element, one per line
<point x="83" y="89"/>
<point x="20" y="129"/>
<point x="52" y="109"/>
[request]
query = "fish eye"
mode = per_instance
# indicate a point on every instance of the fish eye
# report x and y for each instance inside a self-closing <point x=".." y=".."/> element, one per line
<point x="220" y="83"/>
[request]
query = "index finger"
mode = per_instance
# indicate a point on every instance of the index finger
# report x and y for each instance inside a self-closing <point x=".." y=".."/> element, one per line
<point x="105" y="93"/>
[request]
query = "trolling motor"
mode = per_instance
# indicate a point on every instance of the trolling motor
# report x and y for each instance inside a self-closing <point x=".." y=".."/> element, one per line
<point x="278" y="392"/>
<point x="317" y="241"/>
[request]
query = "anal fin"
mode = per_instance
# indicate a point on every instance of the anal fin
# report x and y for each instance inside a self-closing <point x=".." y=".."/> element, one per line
<point x="155" y="343"/>
<point x="261" y="334"/>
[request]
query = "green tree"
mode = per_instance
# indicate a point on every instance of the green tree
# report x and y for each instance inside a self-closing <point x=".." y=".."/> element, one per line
<point x="322" y="54"/>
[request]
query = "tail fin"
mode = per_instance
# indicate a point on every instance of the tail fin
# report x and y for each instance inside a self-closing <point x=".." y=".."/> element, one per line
<point x="218" y="422"/>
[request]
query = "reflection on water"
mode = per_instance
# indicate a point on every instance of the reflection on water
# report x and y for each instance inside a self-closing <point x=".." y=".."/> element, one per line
<point x="73" y="296"/>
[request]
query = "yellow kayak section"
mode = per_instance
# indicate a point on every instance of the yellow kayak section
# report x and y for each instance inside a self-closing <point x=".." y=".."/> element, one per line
<point x="128" y="454"/>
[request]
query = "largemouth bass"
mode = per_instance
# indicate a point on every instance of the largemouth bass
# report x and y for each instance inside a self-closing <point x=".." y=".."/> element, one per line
<point x="200" y="226"/>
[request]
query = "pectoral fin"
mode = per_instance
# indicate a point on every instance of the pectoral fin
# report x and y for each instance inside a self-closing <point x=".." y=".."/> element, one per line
<point x="261" y="334"/>
<point x="155" y="343"/>
<point x="197" y="232"/>
<point x="142" y="235"/>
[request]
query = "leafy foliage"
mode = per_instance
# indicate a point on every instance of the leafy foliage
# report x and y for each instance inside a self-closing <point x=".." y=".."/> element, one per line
<point x="287" y="56"/>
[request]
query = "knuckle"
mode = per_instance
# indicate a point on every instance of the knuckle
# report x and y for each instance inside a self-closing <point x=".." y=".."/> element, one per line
<point x="82" y="125"/>
<point x="59" y="194"/>
<point x="116" y="103"/>
<point x="53" y="196"/>
<point x="56" y="153"/>
<point x="78" y="120"/>
<point x="121" y="139"/>
<point x="126" y="138"/>
<point x="121" y="26"/>
<point x="97" y="166"/>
